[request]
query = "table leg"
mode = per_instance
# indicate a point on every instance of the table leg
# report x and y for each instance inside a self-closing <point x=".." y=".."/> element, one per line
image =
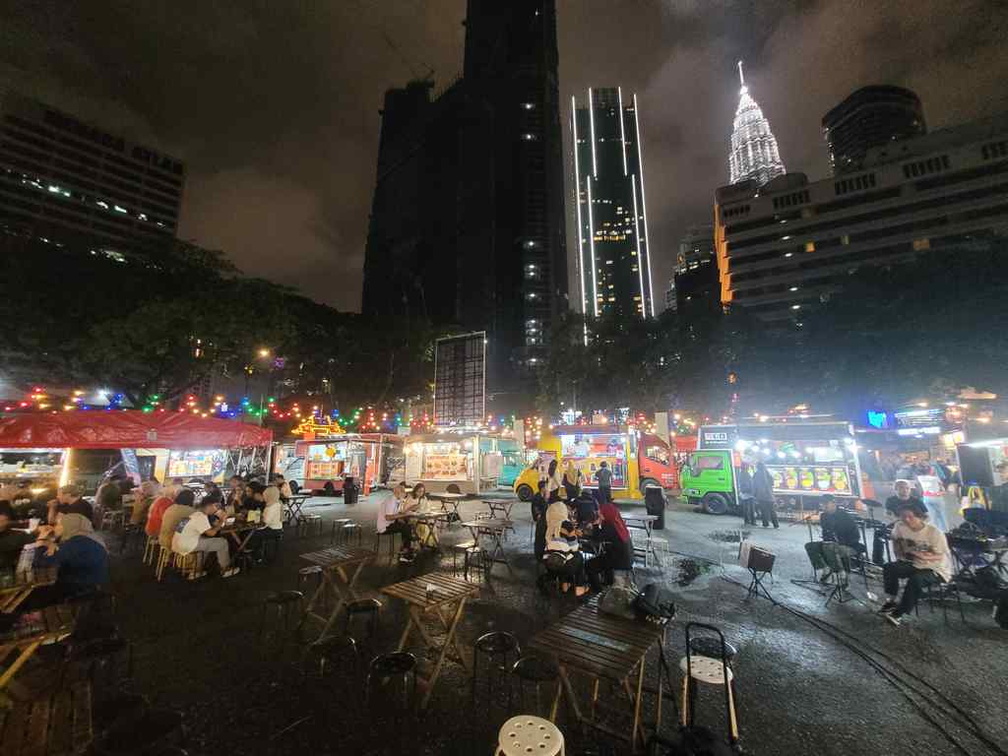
<point x="444" y="650"/>
<point x="569" y="691"/>
<point x="556" y="701"/>
<point x="463" y="659"/>
<point x="24" y="656"/>
<point x="661" y="671"/>
<point x="637" y="708"/>
<point x="406" y="632"/>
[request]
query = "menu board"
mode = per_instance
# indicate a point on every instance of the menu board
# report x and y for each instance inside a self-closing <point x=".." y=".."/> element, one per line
<point x="328" y="469"/>
<point x="811" y="479"/>
<point x="447" y="466"/>
<point x="195" y="464"/>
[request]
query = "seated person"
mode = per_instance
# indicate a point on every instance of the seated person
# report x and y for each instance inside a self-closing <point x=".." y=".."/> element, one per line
<point x="272" y="519"/>
<point x="283" y="486"/>
<point x="616" y="552"/>
<point x="157" y="510"/>
<point x="236" y="493"/>
<point x="393" y="508"/>
<point x="562" y="555"/>
<point x="902" y="493"/>
<point x="922" y="557"/>
<point x="148" y="494"/>
<point x="80" y="556"/>
<point x="11" y="540"/>
<point x="586" y="507"/>
<point x="841" y="537"/>
<point x="109" y="496"/>
<point x="183" y="506"/>
<point x="194" y="533"/>
<point x="70" y="500"/>
<point x="253" y="498"/>
<point x="419" y="502"/>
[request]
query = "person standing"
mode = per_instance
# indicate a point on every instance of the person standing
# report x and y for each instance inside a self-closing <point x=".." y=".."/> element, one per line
<point x="603" y="476"/>
<point x="572" y="480"/>
<point x="922" y="558"/>
<point x="554" y="483"/>
<point x="763" y="493"/>
<point x="538" y="505"/>
<point x="746" y="500"/>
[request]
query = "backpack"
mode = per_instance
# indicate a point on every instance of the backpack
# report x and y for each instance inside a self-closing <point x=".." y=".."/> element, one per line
<point x="655" y="603"/>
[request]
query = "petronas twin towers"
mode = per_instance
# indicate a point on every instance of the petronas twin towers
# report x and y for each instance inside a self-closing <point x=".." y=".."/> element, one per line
<point x="753" y="146"/>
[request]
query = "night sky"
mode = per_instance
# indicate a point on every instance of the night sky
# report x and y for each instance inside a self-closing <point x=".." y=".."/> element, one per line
<point x="274" y="105"/>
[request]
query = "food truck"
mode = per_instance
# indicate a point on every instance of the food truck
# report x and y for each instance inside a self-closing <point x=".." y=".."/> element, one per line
<point x="637" y="459"/>
<point x="805" y="459"/>
<point x="54" y="449"/>
<point x="468" y="462"/>
<point x="324" y="464"/>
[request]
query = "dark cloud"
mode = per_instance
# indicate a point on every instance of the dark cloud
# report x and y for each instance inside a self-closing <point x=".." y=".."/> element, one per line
<point x="274" y="105"/>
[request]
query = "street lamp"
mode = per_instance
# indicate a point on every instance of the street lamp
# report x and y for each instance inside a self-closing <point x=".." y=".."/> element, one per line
<point x="264" y="352"/>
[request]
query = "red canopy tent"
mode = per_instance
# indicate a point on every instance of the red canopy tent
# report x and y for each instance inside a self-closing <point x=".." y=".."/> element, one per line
<point x="101" y="429"/>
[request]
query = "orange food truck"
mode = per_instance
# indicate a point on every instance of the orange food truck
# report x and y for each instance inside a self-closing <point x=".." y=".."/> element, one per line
<point x="371" y="459"/>
<point x="637" y="459"/>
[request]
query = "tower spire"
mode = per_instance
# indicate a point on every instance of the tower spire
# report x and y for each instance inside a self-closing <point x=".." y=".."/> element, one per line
<point x="741" y="76"/>
<point x="753" y="147"/>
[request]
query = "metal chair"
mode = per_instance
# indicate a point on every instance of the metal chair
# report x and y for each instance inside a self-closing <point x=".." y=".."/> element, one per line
<point x="287" y="605"/>
<point x="943" y="591"/>
<point x="537" y="671"/>
<point x="152" y="550"/>
<point x="368" y="608"/>
<point x="350" y="530"/>
<point x="495" y="646"/>
<point x="392" y="677"/>
<point x="460" y="548"/>
<point x="329" y="649"/>
<point x="710" y="671"/>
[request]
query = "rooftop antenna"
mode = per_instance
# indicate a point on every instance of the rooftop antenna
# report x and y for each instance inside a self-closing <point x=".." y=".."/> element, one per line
<point x="741" y="76"/>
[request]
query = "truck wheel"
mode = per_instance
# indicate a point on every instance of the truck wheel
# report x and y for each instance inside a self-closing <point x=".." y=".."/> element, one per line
<point x="715" y="504"/>
<point x="524" y="492"/>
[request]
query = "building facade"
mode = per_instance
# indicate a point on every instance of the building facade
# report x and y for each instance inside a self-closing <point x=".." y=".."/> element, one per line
<point x="482" y="246"/>
<point x="695" y="280"/>
<point x="754" y="154"/>
<point x="68" y="182"/>
<point x="613" y="250"/>
<point x="870" y="117"/>
<point x="788" y="246"/>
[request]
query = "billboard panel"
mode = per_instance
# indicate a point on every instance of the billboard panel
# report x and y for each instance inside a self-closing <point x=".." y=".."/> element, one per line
<point x="460" y="380"/>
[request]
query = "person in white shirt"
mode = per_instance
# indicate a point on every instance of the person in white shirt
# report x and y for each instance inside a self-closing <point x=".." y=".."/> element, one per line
<point x="922" y="557"/>
<point x="272" y="521"/>
<point x="194" y="533"/>
<point x="393" y="508"/>
<point x="283" y="486"/>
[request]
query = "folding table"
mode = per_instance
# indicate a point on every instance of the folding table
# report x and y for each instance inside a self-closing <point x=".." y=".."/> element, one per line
<point x="336" y="584"/>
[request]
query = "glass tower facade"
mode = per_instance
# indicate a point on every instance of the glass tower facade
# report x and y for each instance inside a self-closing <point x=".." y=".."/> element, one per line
<point x="613" y="250"/>
<point x="753" y="146"/>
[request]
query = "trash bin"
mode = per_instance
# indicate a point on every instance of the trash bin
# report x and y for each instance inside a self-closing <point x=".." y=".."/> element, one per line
<point x="654" y="503"/>
<point x="350" y="491"/>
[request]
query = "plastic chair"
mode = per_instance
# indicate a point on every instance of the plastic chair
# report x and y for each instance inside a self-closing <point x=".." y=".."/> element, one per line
<point x="495" y="646"/>
<point x="527" y="734"/>
<point x="534" y="670"/>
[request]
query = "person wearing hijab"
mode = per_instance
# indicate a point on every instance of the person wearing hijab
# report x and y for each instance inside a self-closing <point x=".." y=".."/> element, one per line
<point x="79" y="554"/>
<point x="149" y="491"/>
<point x="616" y="548"/>
<point x="563" y="556"/>
<point x="572" y="480"/>
<point x="272" y="518"/>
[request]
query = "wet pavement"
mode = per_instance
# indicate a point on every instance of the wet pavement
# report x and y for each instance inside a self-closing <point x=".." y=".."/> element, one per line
<point x="803" y="687"/>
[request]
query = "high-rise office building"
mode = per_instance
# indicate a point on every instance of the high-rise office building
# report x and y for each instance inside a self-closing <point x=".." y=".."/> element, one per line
<point x="785" y="247"/>
<point x="69" y="182"/>
<point x="479" y="242"/>
<point x="870" y="117"/>
<point x="695" y="281"/>
<point x="754" y="152"/>
<point x="613" y="250"/>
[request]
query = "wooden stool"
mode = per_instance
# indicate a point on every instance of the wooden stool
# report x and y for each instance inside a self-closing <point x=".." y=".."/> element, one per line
<point x="190" y="565"/>
<point x="151" y="550"/>
<point x="164" y="556"/>
<point x="527" y="734"/>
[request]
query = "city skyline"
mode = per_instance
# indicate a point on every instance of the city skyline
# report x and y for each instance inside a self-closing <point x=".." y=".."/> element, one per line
<point x="277" y="118"/>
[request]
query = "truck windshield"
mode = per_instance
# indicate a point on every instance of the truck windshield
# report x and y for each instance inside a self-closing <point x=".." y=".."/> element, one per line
<point x="700" y="462"/>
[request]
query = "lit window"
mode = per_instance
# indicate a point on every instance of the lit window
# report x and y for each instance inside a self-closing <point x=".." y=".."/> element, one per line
<point x="793" y="288"/>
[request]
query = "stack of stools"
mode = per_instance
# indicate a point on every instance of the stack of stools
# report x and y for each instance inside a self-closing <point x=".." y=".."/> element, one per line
<point x="336" y="534"/>
<point x="708" y="660"/>
<point x="309" y="523"/>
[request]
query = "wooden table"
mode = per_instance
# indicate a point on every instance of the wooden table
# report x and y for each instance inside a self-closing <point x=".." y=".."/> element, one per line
<point x="240" y="533"/>
<point x="33" y="629"/>
<point x="293" y="507"/>
<point x="494" y="529"/>
<point x="450" y="595"/>
<point x="11" y="598"/>
<point x="607" y="647"/>
<point x="449" y="502"/>
<point x="646" y="523"/>
<point x="56" y="726"/>
<point x="336" y="583"/>
<point x="500" y="507"/>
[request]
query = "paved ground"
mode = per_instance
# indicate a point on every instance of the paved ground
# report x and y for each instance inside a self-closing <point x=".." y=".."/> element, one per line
<point x="197" y="648"/>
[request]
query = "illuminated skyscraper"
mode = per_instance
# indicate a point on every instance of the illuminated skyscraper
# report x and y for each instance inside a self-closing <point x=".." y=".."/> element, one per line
<point x="753" y="146"/>
<point x="613" y="253"/>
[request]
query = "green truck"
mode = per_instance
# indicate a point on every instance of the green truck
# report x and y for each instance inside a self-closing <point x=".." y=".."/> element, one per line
<point x="805" y="459"/>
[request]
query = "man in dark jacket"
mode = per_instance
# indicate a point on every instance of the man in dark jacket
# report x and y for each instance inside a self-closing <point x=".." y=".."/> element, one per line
<point x="746" y="500"/>
<point x="763" y="493"/>
<point x="837" y="525"/>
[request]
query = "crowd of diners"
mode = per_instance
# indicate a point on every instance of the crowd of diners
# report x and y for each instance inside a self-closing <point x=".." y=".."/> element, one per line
<point x="183" y="518"/>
